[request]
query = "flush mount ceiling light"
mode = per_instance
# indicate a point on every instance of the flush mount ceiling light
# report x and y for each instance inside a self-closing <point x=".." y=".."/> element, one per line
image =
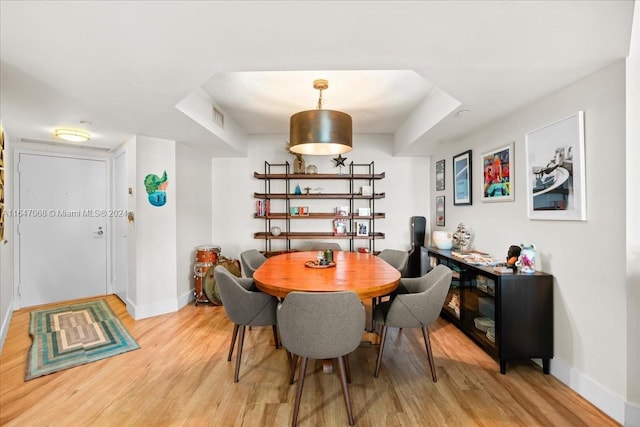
<point x="320" y="132"/>
<point x="72" y="135"/>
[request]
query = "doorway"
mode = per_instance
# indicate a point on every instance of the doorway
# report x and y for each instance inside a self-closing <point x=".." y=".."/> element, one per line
<point x="62" y="227"/>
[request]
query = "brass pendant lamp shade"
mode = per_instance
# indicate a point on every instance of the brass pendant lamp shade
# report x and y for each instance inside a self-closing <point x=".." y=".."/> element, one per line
<point x="320" y="132"/>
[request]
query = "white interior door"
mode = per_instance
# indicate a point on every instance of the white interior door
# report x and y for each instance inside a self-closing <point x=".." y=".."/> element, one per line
<point x="62" y="221"/>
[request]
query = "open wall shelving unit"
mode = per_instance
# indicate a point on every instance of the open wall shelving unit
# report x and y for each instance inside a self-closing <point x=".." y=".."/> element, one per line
<point x="274" y="205"/>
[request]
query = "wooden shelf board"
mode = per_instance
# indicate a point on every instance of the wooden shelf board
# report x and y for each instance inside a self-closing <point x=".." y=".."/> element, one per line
<point x="318" y="215"/>
<point x="315" y="235"/>
<point x="316" y="196"/>
<point x="318" y="176"/>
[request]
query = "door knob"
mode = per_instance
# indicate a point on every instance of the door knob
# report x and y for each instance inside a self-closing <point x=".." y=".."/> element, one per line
<point x="100" y="232"/>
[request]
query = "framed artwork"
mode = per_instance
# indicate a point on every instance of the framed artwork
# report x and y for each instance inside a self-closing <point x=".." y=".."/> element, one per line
<point x="440" y="175"/>
<point x="440" y="211"/>
<point x="462" y="179"/>
<point x="497" y="175"/>
<point x="362" y="228"/>
<point x="556" y="170"/>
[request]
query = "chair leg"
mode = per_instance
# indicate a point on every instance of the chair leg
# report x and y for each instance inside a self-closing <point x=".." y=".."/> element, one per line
<point x="347" y="368"/>
<point x="293" y="362"/>
<point x="296" y="405"/>
<point x="383" y="337"/>
<point x="233" y="341"/>
<point x="236" y="376"/>
<point x="345" y="388"/>
<point x="427" y="343"/>
<point x="275" y="336"/>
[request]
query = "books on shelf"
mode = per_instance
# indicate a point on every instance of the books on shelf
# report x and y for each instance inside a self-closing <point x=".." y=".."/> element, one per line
<point x="476" y="257"/>
<point x="263" y="208"/>
<point x="503" y="270"/>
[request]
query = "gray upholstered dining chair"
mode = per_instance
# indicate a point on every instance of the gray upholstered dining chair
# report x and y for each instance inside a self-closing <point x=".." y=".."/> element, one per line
<point x="246" y="306"/>
<point x="396" y="258"/>
<point x="251" y="259"/>
<point x="320" y="246"/>
<point x="321" y="325"/>
<point x="417" y="305"/>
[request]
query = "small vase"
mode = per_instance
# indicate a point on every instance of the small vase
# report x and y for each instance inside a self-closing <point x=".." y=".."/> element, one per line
<point x="298" y="165"/>
<point x="527" y="259"/>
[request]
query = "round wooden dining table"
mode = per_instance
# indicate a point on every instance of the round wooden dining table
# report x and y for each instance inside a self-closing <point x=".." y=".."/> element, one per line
<point x="363" y="273"/>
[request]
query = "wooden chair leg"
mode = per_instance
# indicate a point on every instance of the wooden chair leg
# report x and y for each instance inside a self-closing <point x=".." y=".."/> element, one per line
<point x="293" y="362"/>
<point x="275" y="336"/>
<point x="296" y="405"/>
<point x="427" y="343"/>
<point x="345" y="388"/>
<point x="233" y="342"/>
<point x="236" y="376"/>
<point x="347" y="368"/>
<point x="383" y="337"/>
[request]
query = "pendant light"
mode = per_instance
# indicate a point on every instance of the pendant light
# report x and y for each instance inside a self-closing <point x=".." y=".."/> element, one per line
<point x="320" y="132"/>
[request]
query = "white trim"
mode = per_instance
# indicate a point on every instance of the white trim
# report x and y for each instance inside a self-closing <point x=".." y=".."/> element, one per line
<point x="150" y="310"/>
<point x="4" y="328"/>
<point x="632" y="415"/>
<point x="602" y="398"/>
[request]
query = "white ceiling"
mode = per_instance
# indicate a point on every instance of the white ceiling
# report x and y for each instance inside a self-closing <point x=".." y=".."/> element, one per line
<point x="400" y="68"/>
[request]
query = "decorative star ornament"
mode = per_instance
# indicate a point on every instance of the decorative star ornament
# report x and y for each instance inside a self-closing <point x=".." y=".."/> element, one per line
<point x="339" y="160"/>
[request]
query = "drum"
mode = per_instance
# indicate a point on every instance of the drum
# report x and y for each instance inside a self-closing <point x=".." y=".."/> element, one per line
<point x="199" y="272"/>
<point x="207" y="253"/>
<point x="209" y="281"/>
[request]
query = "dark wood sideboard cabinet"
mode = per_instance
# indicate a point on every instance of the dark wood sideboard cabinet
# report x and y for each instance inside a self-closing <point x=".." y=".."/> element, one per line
<point x="520" y="306"/>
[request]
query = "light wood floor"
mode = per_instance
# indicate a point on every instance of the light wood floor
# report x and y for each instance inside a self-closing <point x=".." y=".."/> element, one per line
<point x="181" y="377"/>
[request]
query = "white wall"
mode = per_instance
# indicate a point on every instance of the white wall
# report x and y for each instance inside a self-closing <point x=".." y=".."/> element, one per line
<point x="6" y="250"/>
<point x="406" y="186"/>
<point x="153" y="287"/>
<point x="632" y="417"/>
<point x="586" y="258"/>
<point x="193" y="213"/>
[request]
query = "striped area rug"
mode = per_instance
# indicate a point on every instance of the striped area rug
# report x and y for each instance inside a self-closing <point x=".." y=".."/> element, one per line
<point x="72" y="335"/>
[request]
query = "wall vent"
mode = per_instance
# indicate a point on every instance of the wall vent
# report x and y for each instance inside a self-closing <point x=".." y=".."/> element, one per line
<point x="218" y="117"/>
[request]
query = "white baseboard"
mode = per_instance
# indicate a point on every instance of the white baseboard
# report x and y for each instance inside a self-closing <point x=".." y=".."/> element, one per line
<point x="4" y="328"/>
<point x="156" y="309"/>
<point x="602" y="398"/>
<point x="149" y="310"/>
<point x="632" y="415"/>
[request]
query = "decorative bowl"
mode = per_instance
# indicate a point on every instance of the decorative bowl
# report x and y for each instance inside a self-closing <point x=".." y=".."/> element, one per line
<point x="442" y="239"/>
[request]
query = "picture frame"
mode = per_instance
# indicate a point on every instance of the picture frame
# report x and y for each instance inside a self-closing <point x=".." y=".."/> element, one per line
<point x="440" y="175"/>
<point x="366" y="190"/>
<point x="498" y="174"/>
<point x="440" y="211"/>
<point x="555" y="156"/>
<point x="364" y="212"/>
<point x="362" y="228"/>
<point x="342" y="211"/>
<point x="462" y="179"/>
